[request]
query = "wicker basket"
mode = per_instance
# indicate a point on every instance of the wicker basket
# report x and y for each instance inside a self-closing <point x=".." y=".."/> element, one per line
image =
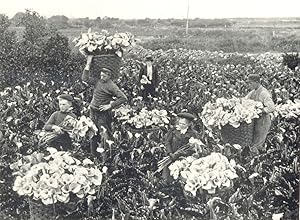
<point x="39" y="211"/>
<point x="242" y="135"/>
<point x="110" y="61"/>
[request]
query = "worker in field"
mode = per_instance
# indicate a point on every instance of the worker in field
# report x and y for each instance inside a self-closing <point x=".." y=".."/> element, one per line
<point x="178" y="137"/>
<point x="106" y="96"/>
<point x="56" y="121"/>
<point x="261" y="125"/>
<point x="148" y="79"/>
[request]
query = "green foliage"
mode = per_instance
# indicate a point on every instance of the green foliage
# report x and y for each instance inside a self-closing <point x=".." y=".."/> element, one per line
<point x="35" y="26"/>
<point x="291" y="60"/>
<point x="59" y="21"/>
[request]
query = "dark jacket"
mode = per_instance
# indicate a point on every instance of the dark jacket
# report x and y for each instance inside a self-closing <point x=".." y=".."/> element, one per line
<point x="56" y="118"/>
<point x="155" y="77"/>
<point x="175" y="140"/>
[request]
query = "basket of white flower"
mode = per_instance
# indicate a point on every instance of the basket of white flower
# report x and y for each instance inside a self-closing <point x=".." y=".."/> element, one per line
<point x="233" y="117"/>
<point x="55" y="179"/>
<point x="108" y="61"/>
<point x="242" y="135"/>
<point x="106" y="49"/>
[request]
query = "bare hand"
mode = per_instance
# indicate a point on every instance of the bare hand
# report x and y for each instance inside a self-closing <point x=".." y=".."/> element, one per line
<point x="104" y="107"/>
<point x="57" y="129"/>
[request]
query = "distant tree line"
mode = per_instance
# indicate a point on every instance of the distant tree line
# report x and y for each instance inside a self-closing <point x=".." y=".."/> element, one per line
<point x="63" y="22"/>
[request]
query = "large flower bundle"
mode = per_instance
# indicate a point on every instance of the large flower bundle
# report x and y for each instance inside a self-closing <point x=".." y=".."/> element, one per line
<point x="77" y="129"/>
<point x="194" y="144"/>
<point x="207" y="173"/>
<point x="95" y="43"/>
<point x="288" y="110"/>
<point x="142" y="119"/>
<point x="56" y="177"/>
<point x="232" y="111"/>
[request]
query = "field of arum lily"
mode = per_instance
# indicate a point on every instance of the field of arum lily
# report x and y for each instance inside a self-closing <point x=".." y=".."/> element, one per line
<point x="218" y="181"/>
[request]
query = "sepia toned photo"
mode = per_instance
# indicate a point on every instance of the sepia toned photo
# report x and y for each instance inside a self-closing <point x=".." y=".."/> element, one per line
<point x="149" y="110"/>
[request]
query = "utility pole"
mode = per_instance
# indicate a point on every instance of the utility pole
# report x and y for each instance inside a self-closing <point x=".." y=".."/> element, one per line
<point x="187" y="19"/>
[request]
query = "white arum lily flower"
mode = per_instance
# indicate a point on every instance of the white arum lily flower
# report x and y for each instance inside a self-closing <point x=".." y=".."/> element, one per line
<point x="277" y="216"/>
<point x="92" y="191"/>
<point x="81" y="171"/>
<point x="191" y="188"/>
<point x="46" y="193"/>
<point x="104" y="169"/>
<point x="97" y="176"/>
<point x="87" y="161"/>
<point x="67" y="178"/>
<point x="152" y="203"/>
<point x="53" y="182"/>
<point x="49" y="200"/>
<point x="18" y="183"/>
<point x="26" y="189"/>
<point x="51" y="150"/>
<point x="174" y="171"/>
<point x="90" y="199"/>
<point x="185" y="174"/>
<point x="79" y="179"/>
<point x="56" y="169"/>
<point x="66" y="188"/>
<point x="210" y="187"/>
<point x="63" y="197"/>
<point x="226" y="183"/>
<point x="80" y="194"/>
<point x="74" y="187"/>
<point x="68" y="159"/>
<point x="100" y="150"/>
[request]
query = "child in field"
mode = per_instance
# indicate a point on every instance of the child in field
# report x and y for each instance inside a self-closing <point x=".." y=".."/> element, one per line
<point x="178" y="137"/>
<point x="54" y="124"/>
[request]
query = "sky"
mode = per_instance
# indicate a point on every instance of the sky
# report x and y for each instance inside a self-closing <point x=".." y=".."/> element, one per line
<point x="140" y="9"/>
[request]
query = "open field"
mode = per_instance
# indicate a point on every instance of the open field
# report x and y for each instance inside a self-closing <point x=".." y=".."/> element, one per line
<point x="239" y="35"/>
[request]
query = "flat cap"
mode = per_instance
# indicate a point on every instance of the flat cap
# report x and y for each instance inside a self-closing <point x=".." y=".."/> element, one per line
<point x="186" y="115"/>
<point x="66" y="97"/>
<point x="106" y="70"/>
<point x="254" y="77"/>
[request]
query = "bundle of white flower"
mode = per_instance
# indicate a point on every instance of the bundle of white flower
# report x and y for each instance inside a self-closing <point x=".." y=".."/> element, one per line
<point x="207" y="173"/>
<point x="123" y="113"/>
<point x="56" y="177"/>
<point x="76" y="128"/>
<point x="288" y="110"/>
<point x="94" y="43"/>
<point x="232" y="111"/>
<point x="142" y="119"/>
<point x="146" y="118"/>
<point x="83" y="127"/>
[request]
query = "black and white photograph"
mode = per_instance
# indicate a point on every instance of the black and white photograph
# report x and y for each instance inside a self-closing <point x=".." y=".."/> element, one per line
<point x="149" y="110"/>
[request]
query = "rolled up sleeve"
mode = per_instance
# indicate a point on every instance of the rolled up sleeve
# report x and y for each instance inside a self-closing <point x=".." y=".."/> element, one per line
<point x="268" y="103"/>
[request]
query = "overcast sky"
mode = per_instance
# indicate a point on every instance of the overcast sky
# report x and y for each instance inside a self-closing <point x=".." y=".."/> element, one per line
<point x="155" y="8"/>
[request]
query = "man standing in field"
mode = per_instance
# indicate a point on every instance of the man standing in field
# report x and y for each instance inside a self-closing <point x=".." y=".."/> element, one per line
<point x="262" y="124"/>
<point x="103" y="99"/>
<point x="148" y="79"/>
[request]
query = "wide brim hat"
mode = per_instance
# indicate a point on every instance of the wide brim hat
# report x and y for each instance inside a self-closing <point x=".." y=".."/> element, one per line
<point x="186" y="115"/>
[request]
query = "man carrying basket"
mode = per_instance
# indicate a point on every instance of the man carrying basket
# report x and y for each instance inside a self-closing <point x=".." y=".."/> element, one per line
<point x="262" y="124"/>
<point x="103" y="98"/>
